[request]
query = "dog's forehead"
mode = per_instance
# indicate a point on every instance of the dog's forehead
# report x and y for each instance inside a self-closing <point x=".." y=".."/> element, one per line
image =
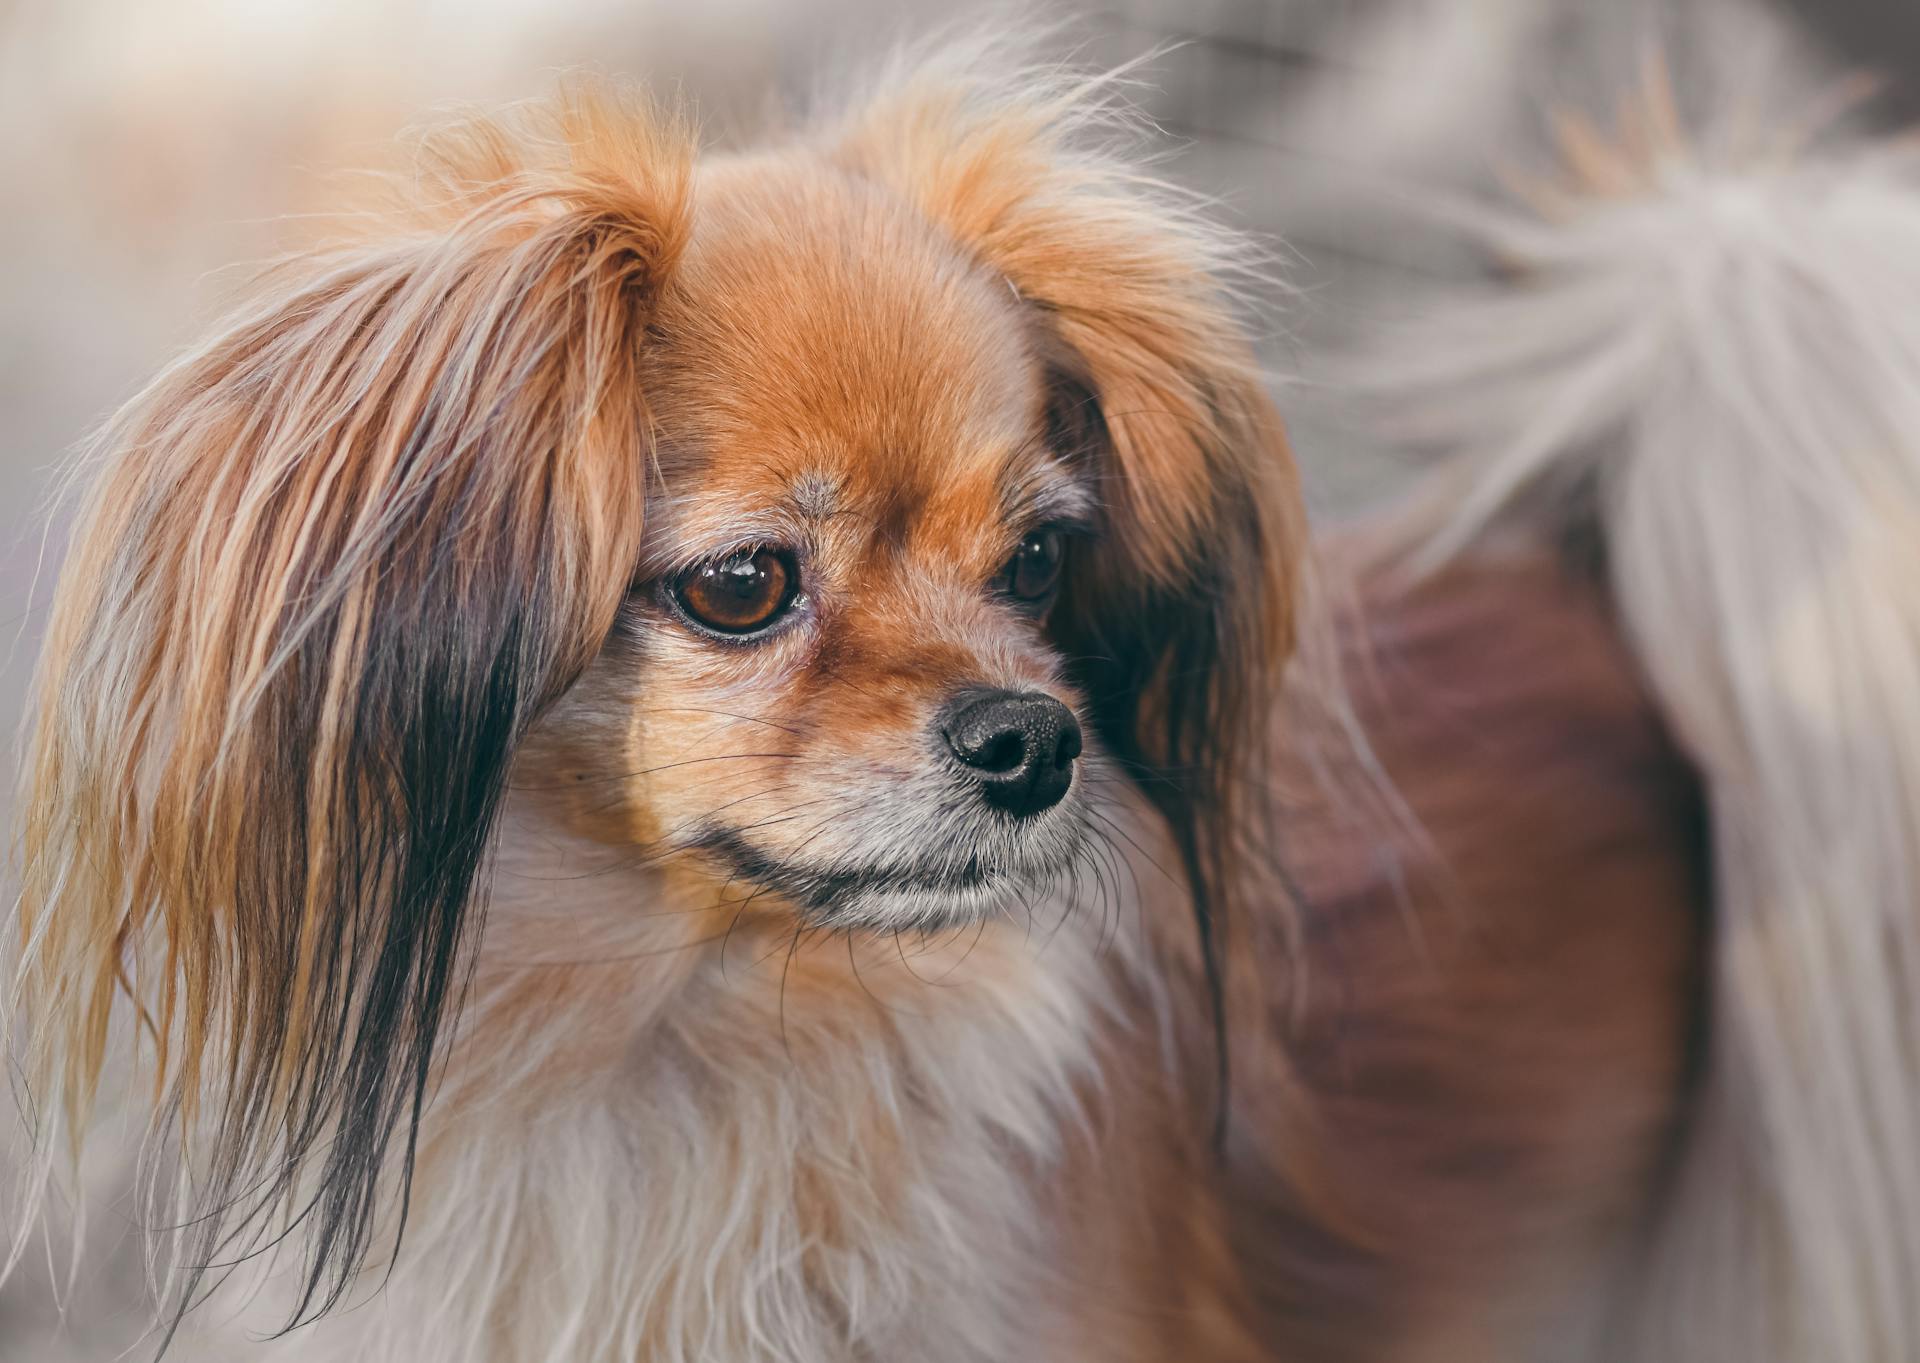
<point x="821" y="340"/>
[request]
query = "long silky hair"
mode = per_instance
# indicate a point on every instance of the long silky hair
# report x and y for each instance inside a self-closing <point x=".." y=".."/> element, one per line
<point x="333" y="564"/>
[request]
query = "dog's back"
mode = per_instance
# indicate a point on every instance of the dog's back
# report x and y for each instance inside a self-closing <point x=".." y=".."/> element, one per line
<point x="1490" y="1036"/>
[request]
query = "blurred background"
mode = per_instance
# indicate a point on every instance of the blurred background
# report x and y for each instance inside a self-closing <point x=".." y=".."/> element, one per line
<point x="150" y="149"/>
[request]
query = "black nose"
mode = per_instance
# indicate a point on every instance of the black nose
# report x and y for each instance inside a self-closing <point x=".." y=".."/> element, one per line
<point x="1021" y="746"/>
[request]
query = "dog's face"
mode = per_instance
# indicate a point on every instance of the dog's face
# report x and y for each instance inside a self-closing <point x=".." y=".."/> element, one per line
<point x="832" y="689"/>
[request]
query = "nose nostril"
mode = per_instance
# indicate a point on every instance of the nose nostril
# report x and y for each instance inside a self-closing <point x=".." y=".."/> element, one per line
<point x="1068" y="747"/>
<point x="1003" y="752"/>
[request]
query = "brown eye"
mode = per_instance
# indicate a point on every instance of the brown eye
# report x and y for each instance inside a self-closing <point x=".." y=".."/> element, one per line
<point x="1034" y="570"/>
<point x="739" y="595"/>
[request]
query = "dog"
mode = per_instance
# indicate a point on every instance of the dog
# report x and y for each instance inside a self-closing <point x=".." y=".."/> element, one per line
<point x="746" y="756"/>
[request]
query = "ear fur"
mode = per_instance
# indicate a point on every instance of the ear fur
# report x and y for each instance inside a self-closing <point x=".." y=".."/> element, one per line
<point x="334" y="564"/>
<point x="1182" y="615"/>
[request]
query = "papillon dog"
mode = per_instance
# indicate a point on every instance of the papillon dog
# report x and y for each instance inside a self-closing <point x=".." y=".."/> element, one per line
<point x="676" y="756"/>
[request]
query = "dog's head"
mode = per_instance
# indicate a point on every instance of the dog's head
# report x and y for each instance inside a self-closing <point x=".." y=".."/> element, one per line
<point x="832" y="520"/>
<point x="833" y="683"/>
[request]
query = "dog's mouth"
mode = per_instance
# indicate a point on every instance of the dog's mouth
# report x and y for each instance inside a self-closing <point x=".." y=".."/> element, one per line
<point x="850" y="896"/>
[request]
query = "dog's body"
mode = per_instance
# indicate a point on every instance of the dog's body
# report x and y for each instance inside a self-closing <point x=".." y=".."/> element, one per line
<point x="829" y="607"/>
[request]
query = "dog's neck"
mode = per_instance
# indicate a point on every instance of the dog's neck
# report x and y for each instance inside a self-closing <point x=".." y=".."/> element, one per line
<point x="670" y="1132"/>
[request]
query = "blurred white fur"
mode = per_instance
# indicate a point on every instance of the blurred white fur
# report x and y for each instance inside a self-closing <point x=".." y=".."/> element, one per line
<point x="1706" y="335"/>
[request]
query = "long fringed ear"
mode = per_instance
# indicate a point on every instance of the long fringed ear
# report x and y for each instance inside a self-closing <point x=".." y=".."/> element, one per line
<point x="1183" y="612"/>
<point x="335" y="563"/>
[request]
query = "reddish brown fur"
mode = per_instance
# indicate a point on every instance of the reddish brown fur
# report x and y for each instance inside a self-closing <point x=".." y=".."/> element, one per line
<point x="1483" y="1060"/>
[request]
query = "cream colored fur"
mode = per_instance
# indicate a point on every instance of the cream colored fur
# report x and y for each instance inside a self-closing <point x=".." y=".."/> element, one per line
<point x="634" y="1154"/>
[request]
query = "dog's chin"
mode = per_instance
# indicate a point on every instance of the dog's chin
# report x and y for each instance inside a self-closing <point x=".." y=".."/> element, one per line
<point x="896" y="895"/>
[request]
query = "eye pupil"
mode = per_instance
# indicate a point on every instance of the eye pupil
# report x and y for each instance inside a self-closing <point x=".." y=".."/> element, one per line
<point x="739" y="595"/>
<point x="1034" y="570"/>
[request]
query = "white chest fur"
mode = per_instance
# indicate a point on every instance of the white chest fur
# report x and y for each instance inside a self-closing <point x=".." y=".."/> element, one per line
<point x="666" y="1136"/>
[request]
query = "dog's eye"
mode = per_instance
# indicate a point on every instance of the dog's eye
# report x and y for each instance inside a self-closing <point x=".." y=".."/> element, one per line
<point x="1034" y="570"/>
<point x="741" y="594"/>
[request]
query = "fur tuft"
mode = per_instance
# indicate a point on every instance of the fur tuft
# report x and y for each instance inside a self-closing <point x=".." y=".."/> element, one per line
<point x="1704" y="345"/>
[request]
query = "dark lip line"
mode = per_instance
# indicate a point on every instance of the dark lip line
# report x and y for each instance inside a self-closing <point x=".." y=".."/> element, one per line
<point x="822" y="891"/>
